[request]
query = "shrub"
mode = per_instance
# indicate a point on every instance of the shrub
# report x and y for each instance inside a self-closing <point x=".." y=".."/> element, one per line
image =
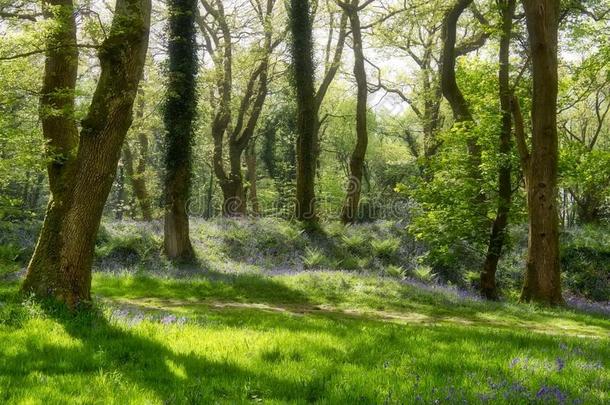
<point x="355" y="243"/>
<point x="313" y="258"/>
<point x="128" y="245"/>
<point x="385" y="248"/>
<point x="395" y="271"/>
<point x="424" y="274"/>
<point x="472" y="278"/>
<point x="587" y="271"/>
<point x="585" y="261"/>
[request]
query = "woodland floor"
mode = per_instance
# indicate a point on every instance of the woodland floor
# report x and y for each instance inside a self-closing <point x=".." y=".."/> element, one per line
<point x="271" y="315"/>
<point x="324" y="337"/>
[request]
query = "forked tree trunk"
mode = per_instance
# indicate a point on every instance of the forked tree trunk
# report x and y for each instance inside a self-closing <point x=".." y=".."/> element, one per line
<point x="498" y="231"/>
<point x="179" y="115"/>
<point x="307" y="117"/>
<point x="231" y="181"/>
<point x="542" y="280"/>
<point x="232" y="186"/>
<point x="349" y="213"/>
<point x="60" y="267"/>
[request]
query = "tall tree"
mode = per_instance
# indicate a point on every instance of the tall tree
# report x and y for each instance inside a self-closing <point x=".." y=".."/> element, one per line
<point x="178" y="117"/>
<point x="349" y="212"/>
<point x="307" y="120"/>
<point x="309" y="101"/>
<point x="498" y="230"/>
<point x="542" y="280"/>
<point x="236" y="131"/>
<point x="83" y="165"/>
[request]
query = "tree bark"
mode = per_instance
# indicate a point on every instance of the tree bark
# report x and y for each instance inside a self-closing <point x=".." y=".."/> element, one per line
<point x="179" y="115"/>
<point x="251" y="176"/>
<point x="136" y="172"/>
<point x="307" y="117"/>
<point x="453" y="94"/>
<point x="498" y="232"/>
<point x="120" y="193"/>
<point x="60" y="267"/>
<point x="349" y="213"/>
<point x="543" y="280"/>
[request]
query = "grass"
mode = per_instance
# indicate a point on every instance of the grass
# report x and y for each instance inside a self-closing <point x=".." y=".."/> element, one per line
<point x="324" y="337"/>
<point x="367" y="324"/>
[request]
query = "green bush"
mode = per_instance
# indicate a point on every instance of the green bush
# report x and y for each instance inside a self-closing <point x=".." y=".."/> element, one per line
<point x="313" y="258"/>
<point x="424" y="274"/>
<point x="385" y="248"/>
<point x="128" y="245"/>
<point x="395" y="271"/>
<point x="587" y="271"/>
<point x="585" y="262"/>
<point x="355" y="243"/>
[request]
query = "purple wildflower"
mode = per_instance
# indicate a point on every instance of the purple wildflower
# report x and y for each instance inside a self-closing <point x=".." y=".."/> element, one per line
<point x="560" y="363"/>
<point x="549" y="393"/>
<point x="168" y="319"/>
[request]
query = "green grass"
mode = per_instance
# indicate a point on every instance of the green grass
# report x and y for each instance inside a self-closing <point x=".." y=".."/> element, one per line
<point x="314" y="337"/>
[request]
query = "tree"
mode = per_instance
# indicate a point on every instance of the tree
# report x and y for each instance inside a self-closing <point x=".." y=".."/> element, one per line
<point x="309" y="101"/>
<point x="136" y="169"/>
<point x="179" y="116"/>
<point x="219" y="43"/>
<point x="356" y="165"/>
<point x="83" y="165"/>
<point x="542" y="280"/>
<point x="451" y="91"/>
<point x="498" y="230"/>
<point x="307" y="120"/>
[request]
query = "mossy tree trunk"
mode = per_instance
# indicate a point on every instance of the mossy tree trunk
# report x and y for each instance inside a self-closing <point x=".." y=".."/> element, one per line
<point x="81" y="176"/>
<point x="179" y="114"/>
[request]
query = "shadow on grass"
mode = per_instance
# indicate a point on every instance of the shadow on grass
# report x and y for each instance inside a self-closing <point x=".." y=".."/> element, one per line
<point x="339" y="359"/>
<point x="141" y="361"/>
<point x="212" y="285"/>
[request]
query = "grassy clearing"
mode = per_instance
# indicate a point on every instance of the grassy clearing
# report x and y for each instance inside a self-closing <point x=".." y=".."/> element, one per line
<point x="324" y="337"/>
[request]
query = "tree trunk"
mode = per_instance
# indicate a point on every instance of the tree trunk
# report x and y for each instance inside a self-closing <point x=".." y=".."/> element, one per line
<point x="60" y="267"/>
<point x="543" y="281"/>
<point x="251" y="176"/>
<point x="356" y="165"/>
<point x="137" y="172"/>
<point x="209" y="210"/>
<point x="138" y="182"/>
<point x="453" y="94"/>
<point x="120" y="194"/>
<point x="231" y="182"/>
<point x="307" y="119"/>
<point x="498" y="232"/>
<point x="179" y="114"/>
<point x="234" y="198"/>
